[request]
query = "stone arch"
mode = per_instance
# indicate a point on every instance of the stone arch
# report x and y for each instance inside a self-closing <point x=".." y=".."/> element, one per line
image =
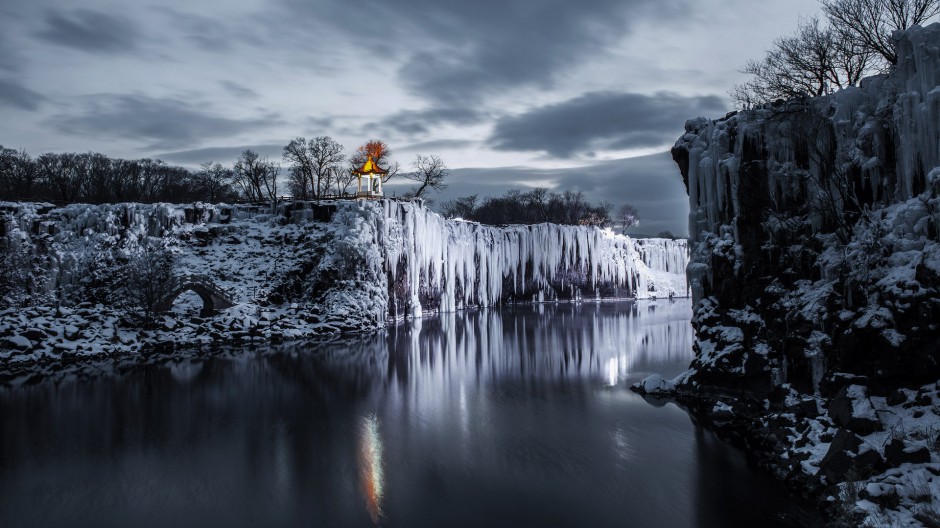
<point x="213" y="299"/>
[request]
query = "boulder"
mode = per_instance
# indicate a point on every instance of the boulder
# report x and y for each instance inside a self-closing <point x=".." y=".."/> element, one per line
<point x="15" y="342"/>
<point x="899" y="452"/>
<point x="847" y="455"/>
<point x="852" y="410"/>
<point x="884" y="495"/>
<point x="34" y="334"/>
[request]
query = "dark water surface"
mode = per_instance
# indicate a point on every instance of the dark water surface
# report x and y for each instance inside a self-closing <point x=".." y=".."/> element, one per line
<point x="512" y="417"/>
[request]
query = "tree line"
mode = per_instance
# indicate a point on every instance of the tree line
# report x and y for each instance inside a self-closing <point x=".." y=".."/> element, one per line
<point x="315" y="168"/>
<point x="537" y="206"/>
<point x="851" y="41"/>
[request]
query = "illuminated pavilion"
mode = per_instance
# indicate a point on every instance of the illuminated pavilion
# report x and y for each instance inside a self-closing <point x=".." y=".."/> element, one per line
<point x="372" y="174"/>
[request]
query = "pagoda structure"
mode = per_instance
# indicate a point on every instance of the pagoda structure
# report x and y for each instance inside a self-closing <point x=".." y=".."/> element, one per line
<point x="370" y="179"/>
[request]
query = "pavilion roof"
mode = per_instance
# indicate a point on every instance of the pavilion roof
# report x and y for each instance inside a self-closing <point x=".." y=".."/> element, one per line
<point x="370" y="167"/>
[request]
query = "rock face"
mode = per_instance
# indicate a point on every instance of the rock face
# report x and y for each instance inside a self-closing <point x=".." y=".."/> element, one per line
<point x="815" y="275"/>
<point x="814" y="231"/>
<point x="299" y="270"/>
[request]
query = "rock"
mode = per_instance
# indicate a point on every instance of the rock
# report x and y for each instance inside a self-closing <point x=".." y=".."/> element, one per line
<point x="884" y="495"/>
<point x="896" y="398"/>
<point x="848" y="453"/>
<point x="71" y="332"/>
<point x="15" y="342"/>
<point x="34" y="334"/>
<point x="721" y="412"/>
<point x="654" y="384"/>
<point x="852" y="410"/>
<point x="899" y="452"/>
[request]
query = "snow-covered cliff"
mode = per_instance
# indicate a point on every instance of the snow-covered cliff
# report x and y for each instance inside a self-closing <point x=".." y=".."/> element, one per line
<point x="814" y="230"/>
<point x="815" y="274"/>
<point x="322" y="268"/>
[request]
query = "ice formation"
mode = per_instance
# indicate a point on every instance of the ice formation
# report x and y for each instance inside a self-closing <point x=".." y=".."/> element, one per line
<point x="453" y="264"/>
<point x="309" y="268"/>
<point x="815" y="273"/>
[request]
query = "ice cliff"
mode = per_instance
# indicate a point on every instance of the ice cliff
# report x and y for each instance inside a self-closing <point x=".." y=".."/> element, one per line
<point x="814" y="232"/>
<point x="815" y="276"/>
<point x="316" y="268"/>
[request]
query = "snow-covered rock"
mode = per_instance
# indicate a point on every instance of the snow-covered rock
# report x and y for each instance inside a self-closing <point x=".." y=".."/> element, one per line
<point x="306" y="269"/>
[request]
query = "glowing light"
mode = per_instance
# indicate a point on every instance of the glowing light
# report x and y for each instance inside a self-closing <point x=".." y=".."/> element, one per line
<point x="613" y="371"/>
<point x="371" y="477"/>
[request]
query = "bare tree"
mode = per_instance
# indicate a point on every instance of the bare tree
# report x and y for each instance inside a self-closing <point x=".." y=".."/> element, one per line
<point x="870" y="23"/>
<point x="148" y="279"/>
<point x="815" y="60"/>
<point x="342" y="180"/>
<point x="213" y="181"/>
<point x="256" y="177"/>
<point x="460" y="207"/>
<point x="17" y="276"/>
<point x="17" y="174"/>
<point x="627" y="217"/>
<point x="430" y="173"/>
<point x="326" y="155"/>
<point x="300" y="179"/>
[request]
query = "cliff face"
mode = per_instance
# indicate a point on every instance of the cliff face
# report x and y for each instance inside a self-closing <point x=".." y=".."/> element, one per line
<point x="814" y="234"/>
<point x="305" y="270"/>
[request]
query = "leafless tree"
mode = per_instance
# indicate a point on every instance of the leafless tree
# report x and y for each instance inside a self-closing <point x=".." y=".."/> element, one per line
<point x="17" y="276"/>
<point x="214" y="182"/>
<point x="430" y="173"/>
<point x="314" y="166"/>
<point x="627" y="217"/>
<point x="256" y="177"/>
<point x="815" y="60"/>
<point x="148" y="277"/>
<point x="342" y="180"/>
<point x="300" y="179"/>
<point x="326" y="155"/>
<point x="460" y="207"/>
<point x="17" y="174"/>
<point x="870" y="23"/>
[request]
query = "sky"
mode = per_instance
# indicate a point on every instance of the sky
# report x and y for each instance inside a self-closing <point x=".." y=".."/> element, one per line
<point x="575" y="94"/>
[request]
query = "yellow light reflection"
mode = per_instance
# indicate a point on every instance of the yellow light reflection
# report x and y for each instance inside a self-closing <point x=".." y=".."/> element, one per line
<point x="371" y="477"/>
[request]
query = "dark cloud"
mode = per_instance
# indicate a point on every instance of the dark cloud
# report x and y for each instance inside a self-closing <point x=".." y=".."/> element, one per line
<point x="89" y="30"/>
<point x="438" y="145"/>
<point x="17" y="96"/>
<point x="239" y="90"/>
<point x="165" y="122"/>
<point x="651" y="183"/>
<point x="9" y="55"/>
<point x="457" y="53"/>
<point x="223" y="155"/>
<point x="217" y="33"/>
<point x="602" y="120"/>
<point x="418" y="122"/>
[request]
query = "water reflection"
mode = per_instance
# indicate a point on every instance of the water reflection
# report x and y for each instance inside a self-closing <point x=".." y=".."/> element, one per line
<point x="371" y="475"/>
<point x="518" y="416"/>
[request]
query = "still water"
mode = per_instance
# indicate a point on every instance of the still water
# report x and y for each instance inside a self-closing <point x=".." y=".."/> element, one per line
<point x="513" y="417"/>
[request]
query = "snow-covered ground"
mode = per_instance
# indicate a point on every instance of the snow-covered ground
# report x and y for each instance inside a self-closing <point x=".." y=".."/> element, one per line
<point x="304" y="271"/>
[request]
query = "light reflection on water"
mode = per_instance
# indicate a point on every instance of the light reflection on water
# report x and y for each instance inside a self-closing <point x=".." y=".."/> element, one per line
<point x="371" y="470"/>
<point x="518" y="416"/>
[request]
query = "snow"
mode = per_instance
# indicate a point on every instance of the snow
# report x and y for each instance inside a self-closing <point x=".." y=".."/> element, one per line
<point x="349" y="266"/>
<point x="774" y="231"/>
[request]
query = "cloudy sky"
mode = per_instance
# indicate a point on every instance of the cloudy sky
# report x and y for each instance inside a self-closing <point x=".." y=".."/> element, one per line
<point x="585" y="94"/>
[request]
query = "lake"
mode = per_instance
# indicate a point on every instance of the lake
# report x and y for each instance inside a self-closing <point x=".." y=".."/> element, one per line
<point x="520" y="416"/>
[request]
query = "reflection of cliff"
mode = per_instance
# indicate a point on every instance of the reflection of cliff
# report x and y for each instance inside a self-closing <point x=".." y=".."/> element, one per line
<point x="544" y="343"/>
<point x="814" y="232"/>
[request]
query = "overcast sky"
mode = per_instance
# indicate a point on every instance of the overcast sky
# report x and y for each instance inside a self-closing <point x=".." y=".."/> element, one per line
<point x="582" y="94"/>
